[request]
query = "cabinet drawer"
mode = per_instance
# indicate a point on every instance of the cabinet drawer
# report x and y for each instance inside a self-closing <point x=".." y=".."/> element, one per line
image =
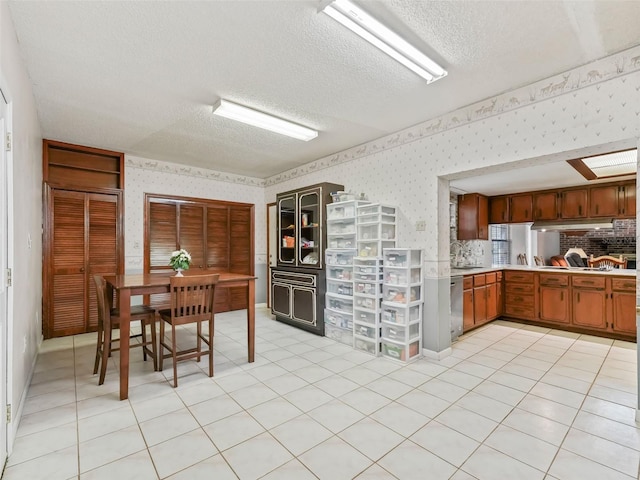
<point x="467" y="282"/>
<point x="491" y="277"/>
<point x="519" y="311"/>
<point x="519" y="288"/>
<point x="624" y="284"/>
<point x="548" y="279"/>
<point x="525" y="277"/>
<point x="515" y="299"/>
<point x="479" y="280"/>
<point x="590" y="281"/>
<point x="499" y="276"/>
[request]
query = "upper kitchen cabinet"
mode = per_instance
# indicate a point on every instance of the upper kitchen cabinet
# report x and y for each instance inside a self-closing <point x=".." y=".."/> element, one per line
<point x="627" y="200"/>
<point x="521" y="208"/>
<point x="604" y="201"/>
<point x="546" y="206"/>
<point x="301" y="225"/>
<point x="499" y="209"/>
<point x="574" y="203"/>
<point x="473" y="217"/>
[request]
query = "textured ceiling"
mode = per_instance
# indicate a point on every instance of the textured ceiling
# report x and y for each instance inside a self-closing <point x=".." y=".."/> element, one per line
<point x="141" y="76"/>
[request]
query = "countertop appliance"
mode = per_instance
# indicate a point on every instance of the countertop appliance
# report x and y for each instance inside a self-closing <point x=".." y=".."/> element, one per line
<point x="456" y="307"/>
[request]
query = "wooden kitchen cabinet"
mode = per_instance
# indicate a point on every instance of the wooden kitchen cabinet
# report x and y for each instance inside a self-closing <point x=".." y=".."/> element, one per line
<point x="473" y="217"/>
<point x="480" y="299"/>
<point x="467" y="305"/>
<point x="623" y="299"/>
<point x="604" y="201"/>
<point x="574" y="203"/>
<point x="520" y="295"/>
<point x="546" y="206"/>
<point x="627" y="200"/>
<point x="589" y="301"/>
<point x="499" y="209"/>
<point x="521" y="208"/>
<point x="554" y="298"/>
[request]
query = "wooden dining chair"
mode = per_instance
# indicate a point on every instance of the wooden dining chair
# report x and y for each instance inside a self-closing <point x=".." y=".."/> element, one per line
<point x="192" y="300"/>
<point x="608" y="261"/>
<point x="109" y="319"/>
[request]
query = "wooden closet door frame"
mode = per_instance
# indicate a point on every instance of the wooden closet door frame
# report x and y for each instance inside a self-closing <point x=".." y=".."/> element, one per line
<point x="47" y="245"/>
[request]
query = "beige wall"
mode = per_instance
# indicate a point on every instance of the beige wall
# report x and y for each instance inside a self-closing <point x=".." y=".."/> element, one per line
<point x="26" y="159"/>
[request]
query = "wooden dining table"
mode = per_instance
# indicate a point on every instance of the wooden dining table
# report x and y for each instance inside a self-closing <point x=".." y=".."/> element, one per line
<point x="128" y="285"/>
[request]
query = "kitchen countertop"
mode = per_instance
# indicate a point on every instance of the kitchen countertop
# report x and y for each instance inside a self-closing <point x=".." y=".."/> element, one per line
<point x="534" y="268"/>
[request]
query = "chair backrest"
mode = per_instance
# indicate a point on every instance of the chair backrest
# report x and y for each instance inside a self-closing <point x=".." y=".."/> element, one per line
<point x="608" y="261"/>
<point x="192" y="297"/>
<point x="522" y="259"/>
<point x="104" y="313"/>
<point x="539" y="261"/>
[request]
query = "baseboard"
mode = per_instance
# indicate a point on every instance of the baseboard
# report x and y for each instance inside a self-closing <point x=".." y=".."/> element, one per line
<point x="433" y="355"/>
<point x="261" y="305"/>
<point x="637" y="415"/>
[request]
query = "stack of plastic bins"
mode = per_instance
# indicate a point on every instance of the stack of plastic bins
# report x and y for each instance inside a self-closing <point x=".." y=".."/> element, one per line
<point x="376" y="229"/>
<point x="402" y="302"/>
<point x="338" y="313"/>
<point x="367" y="295"/>
<point x="341" y="243"/>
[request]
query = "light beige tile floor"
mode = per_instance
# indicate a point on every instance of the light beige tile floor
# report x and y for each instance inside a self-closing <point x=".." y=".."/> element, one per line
<point x="512" y="402"/>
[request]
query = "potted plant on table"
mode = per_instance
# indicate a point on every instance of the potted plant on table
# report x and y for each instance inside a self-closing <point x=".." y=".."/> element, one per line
<point x="180" y="260"/>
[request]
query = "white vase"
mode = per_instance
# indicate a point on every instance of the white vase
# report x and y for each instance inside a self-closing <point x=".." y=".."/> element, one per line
<point x="179" y="272"/>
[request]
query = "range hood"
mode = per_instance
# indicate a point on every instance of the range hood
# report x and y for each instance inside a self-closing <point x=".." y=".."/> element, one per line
<point x="568" y="225"/>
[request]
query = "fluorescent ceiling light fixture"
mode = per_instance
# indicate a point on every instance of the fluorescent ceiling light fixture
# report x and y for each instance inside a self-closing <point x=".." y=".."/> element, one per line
<point x="608" y="165"/>
<point x="240" y="113"/>
<point x="363" y="24"/>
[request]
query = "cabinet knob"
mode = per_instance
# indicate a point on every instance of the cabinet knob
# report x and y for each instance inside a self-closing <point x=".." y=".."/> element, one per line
<point x="81" y="269"/>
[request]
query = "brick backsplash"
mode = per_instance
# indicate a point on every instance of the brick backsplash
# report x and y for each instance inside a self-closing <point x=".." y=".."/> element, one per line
<point x="619" y="239"/>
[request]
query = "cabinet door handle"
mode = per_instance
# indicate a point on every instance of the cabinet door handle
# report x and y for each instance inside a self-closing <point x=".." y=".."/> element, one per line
<point x="597" y="208"/>
<point x="578" y="296"/>
<point x="561" y="296"/>
<point x="580" y="209"/>
<point x="526" y="213"/>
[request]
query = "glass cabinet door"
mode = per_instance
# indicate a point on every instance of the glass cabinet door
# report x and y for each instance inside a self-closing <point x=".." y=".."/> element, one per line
<point x="310" y="236"/>
<point x="287" y="229"/>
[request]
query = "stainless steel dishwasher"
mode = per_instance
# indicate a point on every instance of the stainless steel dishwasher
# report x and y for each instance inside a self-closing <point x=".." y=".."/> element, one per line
<point x="456" y="307"/>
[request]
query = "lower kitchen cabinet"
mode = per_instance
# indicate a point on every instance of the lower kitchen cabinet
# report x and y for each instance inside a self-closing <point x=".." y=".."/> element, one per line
<point x="480" y="300"/>
<point x="589" y="301"/>
<point x="554" y="298"/>
<point x="623" y="299"/>
<point x="520" y="295"/>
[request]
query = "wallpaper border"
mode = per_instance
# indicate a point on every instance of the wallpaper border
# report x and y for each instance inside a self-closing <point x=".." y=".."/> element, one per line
<point x="178" y="169"/>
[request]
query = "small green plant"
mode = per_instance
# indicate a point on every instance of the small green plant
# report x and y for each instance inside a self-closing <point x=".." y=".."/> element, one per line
<point x="180" y="259"/>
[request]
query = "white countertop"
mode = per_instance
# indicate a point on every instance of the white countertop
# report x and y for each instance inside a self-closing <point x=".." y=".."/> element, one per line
<point x="534" y="268"/>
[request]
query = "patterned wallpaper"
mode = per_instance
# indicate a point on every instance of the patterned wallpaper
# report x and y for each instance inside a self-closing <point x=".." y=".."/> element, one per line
<point x="584" y="108"/>
<point x="151" y="176"/>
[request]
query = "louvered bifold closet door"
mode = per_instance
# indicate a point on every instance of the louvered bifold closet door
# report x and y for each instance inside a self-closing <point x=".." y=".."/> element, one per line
<point x="163" y="233"/>
<point x="218" y="250"/>
<point x="191" y="233"/>
<point x="67" y="286"/>
<point x="163" y="239"/>
<point x="103" y="246"/>
<point x="240" y="245"/>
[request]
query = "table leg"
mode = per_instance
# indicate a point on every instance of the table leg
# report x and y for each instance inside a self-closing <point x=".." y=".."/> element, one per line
<point x="251" y="318"/>
<point x="124" y="308"/>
